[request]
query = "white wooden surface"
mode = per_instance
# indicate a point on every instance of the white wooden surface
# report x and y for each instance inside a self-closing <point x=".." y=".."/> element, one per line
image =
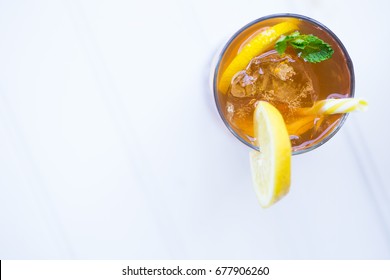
<point x="111" y="146"/>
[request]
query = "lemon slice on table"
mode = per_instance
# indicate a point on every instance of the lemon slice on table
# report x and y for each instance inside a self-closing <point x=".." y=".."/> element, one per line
<point x="271" y="167"/>
<point x="260" y="43"/>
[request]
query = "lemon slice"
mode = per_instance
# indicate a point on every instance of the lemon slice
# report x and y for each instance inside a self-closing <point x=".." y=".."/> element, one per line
<point x="271" y="167"/>
<point x="260" y="43"/>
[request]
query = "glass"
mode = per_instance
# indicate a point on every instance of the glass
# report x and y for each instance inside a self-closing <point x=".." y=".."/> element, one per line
<point x="333" y="78"/>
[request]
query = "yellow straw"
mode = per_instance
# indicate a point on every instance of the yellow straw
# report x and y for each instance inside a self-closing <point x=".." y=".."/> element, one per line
<point x="335" y="106"/>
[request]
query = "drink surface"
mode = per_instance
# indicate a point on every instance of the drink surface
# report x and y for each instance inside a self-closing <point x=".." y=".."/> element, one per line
<point x="287" y="82"/>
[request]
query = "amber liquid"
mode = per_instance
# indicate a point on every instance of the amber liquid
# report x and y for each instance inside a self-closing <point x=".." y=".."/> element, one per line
<point x="317" y="81"/>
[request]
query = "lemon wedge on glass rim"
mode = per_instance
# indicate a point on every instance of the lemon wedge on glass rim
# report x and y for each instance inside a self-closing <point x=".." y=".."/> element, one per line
<point x="271" y="167"/>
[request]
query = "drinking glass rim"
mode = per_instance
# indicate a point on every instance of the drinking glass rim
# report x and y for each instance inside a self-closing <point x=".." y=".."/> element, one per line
<point x="281" y="15"/>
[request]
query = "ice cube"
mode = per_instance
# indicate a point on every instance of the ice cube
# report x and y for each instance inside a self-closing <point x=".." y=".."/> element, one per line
<point x="241" y="113"/>
<point x="282" y="80"/>
<point x="229" y="111"/>
<point x="243" y="85"/>
<point x="272" y="77"/>
<point x="284" y="71"/>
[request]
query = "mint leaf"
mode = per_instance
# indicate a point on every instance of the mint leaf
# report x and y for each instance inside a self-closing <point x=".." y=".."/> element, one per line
<point x="309" y="47"/>
<point x="281" y="44"/>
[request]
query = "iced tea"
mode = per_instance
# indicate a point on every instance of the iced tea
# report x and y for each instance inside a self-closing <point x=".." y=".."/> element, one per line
<point x="287" y="81"/>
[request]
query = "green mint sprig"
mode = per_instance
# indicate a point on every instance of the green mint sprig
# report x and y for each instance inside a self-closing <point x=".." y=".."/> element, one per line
<point x="309" y="47"/>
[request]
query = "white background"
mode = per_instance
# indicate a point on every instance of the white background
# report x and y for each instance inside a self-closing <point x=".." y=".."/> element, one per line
<point x="111" y="146"/>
